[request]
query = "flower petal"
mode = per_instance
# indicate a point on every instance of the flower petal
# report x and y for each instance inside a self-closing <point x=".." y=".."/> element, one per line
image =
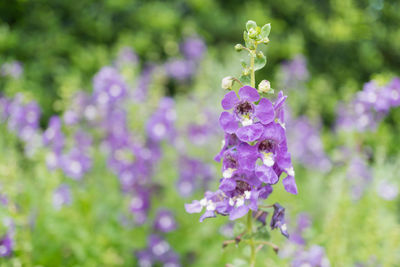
<point x="238" y="212"/>
<point x="247" y="156"/>
<point x="265" y="111"/>
<point x="290" y="185"/>
<point x="250" y="133"/>
<point x="248" y="93"/>
<point x="266" y="174"/>
<point x="228" y="122"/>
<point x="229" y="101"/>
<point x="193" y="207"/>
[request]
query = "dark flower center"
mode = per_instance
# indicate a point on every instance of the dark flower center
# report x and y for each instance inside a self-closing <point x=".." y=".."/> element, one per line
<point x="244" y="108"/>
<point x="266" y="146"/>
<point x="242" y="186"/>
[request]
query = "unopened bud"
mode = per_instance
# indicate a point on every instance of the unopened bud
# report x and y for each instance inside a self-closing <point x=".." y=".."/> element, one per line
<point x="227" y="83"/>
<point x="264" y="86"/>
<point x="238" y="47"/>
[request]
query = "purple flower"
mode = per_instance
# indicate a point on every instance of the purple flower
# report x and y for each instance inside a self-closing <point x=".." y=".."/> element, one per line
<point x="246" y="112"/>
<point x="387" y="190"/>
<point x="164" y="221"/>
<point x="158" y="251"/>
<point x="306" y="144"/>
<point x="109" y="86"/>
<point x="140" y="205"/>
<point x="278" y="219"/>
<point x="193" y="48"/>
<point x="314" y="257"/>
<point x="75" y="163"/>
<point x="53" y="135"/>
<point x="62" y="196"/>
<point x="294" y="73"/>
<point x="160" y="126"/>
<point x="180" y="69"/>
<point x="359" y="175"/>
<point x="6" y="245"/>
<point x="126" y="56"/>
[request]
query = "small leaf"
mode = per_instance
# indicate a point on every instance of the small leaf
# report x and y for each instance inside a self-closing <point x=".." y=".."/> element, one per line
<point x="245" y="79"/>
<point x="259" y="61"/>
<point x="251" y="25"/>
<point x="249" y="42"/>
<point x="265" y="30"/>
<point x="244" y="64"/>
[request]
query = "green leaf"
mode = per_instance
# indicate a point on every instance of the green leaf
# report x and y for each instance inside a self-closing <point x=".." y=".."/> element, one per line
<point x="244" y="64"/>
<point x="249" y="42"/>
<point x="259" y="61"/>
<point x="251" y="25"/>
<point x="245" y="79"/>
<point x="265" y="30"/>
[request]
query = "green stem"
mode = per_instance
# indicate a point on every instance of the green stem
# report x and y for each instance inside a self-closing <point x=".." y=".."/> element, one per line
<point x="252" y="73"/>
<point x="251" y="241"/>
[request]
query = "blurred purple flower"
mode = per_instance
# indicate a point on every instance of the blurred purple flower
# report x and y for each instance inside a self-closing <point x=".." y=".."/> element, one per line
<point x="193" y="48"/>
<point x="62" y="196"/>
<point x="164" y="221"/>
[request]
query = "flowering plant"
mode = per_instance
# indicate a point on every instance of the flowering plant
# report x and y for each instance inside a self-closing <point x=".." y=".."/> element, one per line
<point x="255" y="153"/>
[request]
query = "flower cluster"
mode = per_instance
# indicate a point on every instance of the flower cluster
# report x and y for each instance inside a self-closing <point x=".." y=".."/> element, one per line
<point x="305" y="140"/>
<point x="158" y="250"/>
<point x="293" y="73"/>
<point x="7" y="238"/>
<point x="193" y="174"/>
<point x="254" y="155"/>
<point x="369" y="106"/>
<point x="193" y="49"/>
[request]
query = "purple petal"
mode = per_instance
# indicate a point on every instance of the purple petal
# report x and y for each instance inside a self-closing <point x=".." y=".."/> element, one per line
<point x="290" y="185"/>
<point x="239" y="212"/>
<point x="247" y="156"/>
<point x="227" y="185"/>
<point x="266" y="174"/>
<point x="207" y="214"/>
<point x="248" y="93"/>
<point x="229" y="101"/>
<point x="250" y="133"/>
<point x="228" y="122"/>
<point x="265" y="111"/>
<point x="193" y="207"/>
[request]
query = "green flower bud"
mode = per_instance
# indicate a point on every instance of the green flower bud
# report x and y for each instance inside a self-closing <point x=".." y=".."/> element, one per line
<point x="238" y="47"/>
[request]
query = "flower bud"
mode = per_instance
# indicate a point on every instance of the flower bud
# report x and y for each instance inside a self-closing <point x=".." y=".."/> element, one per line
<point x="238" y="47"/>
<point x="253" y="33"/>
<point x="264" y="86"/>
<point x="227" y="83"/>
